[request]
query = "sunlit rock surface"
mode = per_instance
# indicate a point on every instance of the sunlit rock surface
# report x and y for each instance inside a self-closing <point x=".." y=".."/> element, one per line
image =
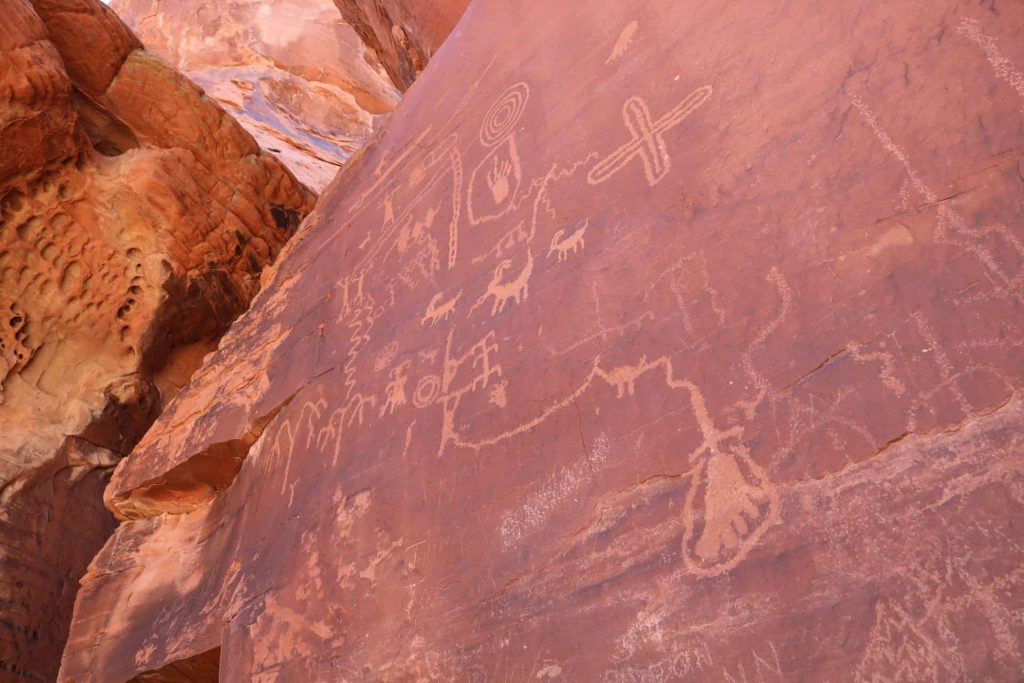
<point x="291" y="71"/>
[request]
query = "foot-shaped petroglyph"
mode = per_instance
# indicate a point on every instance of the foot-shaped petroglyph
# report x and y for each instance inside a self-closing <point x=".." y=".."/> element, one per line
<point x="731" y="501"/>
<point x="730" y="504"/>
<point x="439" y="308"/>
<point x="562" y="245"/>
<point x="515" y="290"/>
<point x="647" y="140"/>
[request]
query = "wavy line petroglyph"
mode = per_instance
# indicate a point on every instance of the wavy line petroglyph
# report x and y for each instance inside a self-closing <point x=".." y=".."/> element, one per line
<point x="647" y="142"/>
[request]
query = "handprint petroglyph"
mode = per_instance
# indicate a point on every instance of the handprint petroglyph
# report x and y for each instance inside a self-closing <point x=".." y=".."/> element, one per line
<point x="497" y="179"/>
<point x="494" y="183"/>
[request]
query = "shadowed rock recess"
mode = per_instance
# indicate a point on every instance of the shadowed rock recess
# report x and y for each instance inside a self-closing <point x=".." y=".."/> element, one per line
<point x="135" y="219"/>
<point x="648" y="341"/>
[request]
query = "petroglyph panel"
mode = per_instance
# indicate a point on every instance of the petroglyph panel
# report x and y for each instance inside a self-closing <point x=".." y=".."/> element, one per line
<point x="701" y="355"/>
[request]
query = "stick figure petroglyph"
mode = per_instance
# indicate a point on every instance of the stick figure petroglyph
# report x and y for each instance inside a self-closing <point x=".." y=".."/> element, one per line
<point x="647" y="142"/>
<point x="514" y="290"/>
<point x="484" y="370"/>
<point x="563" y="245"/>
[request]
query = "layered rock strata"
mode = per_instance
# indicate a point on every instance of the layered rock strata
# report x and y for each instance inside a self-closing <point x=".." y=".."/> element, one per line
<point x="657" y="341"/>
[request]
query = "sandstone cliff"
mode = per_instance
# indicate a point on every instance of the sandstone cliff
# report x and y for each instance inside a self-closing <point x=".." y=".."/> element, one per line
<point x="656" y="341"/>
<point x="297" y="77"/>
<point x="135" y="219"/>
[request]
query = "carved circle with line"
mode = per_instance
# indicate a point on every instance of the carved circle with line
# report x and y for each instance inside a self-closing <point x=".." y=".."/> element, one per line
<point x="504" y="114"/>
<point x="427" y="391"/>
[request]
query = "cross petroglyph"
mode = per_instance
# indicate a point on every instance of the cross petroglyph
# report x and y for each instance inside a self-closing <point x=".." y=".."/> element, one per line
<point x="647" y="142"/>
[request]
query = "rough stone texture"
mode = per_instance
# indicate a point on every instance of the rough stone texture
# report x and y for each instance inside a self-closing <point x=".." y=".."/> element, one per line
<point x="297" y="77"/>
<point x="135" y="219"/>
<point x="404" y="34"/>
<point x="703" y="363"/>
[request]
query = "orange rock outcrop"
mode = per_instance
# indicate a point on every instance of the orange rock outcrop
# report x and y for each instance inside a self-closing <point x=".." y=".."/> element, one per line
<point x="290" y="71"/>
<point x="135" y="220"/>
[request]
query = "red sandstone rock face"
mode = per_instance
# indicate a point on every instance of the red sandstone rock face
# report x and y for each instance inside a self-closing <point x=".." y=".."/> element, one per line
<point x="297" y="77"/>
<point x="404" y="34"/>
<point x="135" y="219"/>
<point x="702" y="364"/>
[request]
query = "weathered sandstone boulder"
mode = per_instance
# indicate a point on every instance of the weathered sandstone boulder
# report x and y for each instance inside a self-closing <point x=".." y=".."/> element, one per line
<point x="404" y="34"/>
<point x="135" y="219"/>
<point x="656" y="341"/>
<point x="291" y="71"/>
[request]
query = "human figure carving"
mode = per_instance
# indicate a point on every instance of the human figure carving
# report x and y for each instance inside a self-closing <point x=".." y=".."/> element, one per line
<point x="395" y="390"/>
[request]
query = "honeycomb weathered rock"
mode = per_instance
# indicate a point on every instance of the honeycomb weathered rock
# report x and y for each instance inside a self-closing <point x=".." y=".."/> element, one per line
<point x="135" y="218"/>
